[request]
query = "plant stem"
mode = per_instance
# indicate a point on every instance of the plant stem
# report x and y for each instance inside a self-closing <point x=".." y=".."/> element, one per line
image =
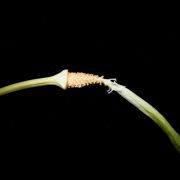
<point x="25" y="85"/>
<point x="59" y="79"/>
<point x="147" y="109"/>
<point x="151" y="112"/>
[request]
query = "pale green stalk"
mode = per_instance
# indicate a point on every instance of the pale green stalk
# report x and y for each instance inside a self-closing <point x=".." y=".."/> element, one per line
<point x="147" y="109"/>
<point x="59" y="79"/>
<point x="25" y="85"/>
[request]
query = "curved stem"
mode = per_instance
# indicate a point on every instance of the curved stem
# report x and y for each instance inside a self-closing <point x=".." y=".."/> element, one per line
<point x="59" y="79"/>
<point x="151" y="112"/>
<point x="25" y="85"/>
<point x="147" y="109"/>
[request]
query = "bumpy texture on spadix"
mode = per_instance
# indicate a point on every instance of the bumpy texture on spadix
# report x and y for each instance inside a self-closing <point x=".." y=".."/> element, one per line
<point x="78" y="80"/>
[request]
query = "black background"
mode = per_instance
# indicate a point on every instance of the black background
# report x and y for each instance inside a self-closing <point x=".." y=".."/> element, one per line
<point x="139" y="45"/>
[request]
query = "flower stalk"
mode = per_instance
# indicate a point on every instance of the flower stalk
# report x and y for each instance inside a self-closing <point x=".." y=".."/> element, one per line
<point x="77" y="80"/>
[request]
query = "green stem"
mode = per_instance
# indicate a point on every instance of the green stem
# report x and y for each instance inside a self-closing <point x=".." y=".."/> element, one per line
<point x="59" y="79"/>
<point x="151" y="112"/>
<point x="148" y="110"/>
<point x="26" y="84"/>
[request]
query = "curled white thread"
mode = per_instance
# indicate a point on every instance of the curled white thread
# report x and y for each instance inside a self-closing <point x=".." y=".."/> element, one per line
<point x="112" y="84"/>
